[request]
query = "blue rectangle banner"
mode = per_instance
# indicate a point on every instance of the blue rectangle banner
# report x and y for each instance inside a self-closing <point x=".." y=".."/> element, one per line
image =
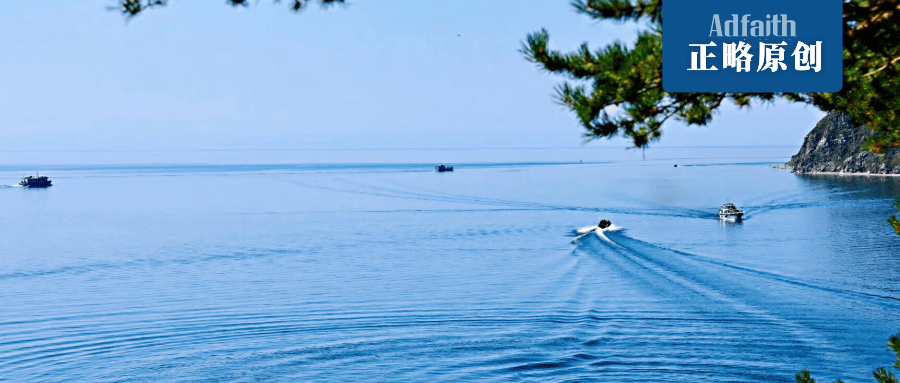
<point x="752" y="46"/>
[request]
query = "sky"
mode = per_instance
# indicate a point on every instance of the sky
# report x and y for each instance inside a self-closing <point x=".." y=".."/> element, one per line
<point x="202" y="75"/>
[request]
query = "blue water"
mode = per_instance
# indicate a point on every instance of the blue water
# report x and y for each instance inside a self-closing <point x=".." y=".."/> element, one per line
<point x="369" y="266"/>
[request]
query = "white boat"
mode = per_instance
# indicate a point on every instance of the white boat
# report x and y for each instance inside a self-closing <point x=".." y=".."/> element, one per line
<point x="729" y="212"/>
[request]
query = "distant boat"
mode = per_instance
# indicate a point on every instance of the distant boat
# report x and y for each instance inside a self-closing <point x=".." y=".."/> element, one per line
<point x="729" y="212"/>
<point x="443" y="168"/>
<point x="36" y="181"/>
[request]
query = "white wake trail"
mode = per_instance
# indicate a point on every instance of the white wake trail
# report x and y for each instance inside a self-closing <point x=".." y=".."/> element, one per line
<point x="596" y="230"/>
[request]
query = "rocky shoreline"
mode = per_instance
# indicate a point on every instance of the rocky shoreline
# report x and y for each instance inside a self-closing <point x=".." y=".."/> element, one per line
<point x="834" y="147"/>
<point x="780" y="166"/>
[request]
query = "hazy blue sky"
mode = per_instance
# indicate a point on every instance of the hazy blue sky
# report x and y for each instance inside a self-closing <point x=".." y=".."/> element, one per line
<point x="374" y="74"/>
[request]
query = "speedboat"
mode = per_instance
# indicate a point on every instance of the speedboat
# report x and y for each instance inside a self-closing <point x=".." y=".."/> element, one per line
<point x="598" y="230"/>
<point x="443" y="168"/>
<point x="729" y="212"/>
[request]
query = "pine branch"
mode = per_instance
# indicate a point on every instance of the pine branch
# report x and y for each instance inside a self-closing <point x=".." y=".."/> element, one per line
<point x="621" y="10"/>
<point x="131" y="8"/>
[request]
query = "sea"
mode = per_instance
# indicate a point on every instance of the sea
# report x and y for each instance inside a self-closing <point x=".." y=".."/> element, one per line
<point x="369" y="266"/>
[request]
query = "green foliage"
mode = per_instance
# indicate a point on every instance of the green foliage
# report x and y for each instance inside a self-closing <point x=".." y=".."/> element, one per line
<point x="871" y="93"/>
<point x="884" y="376"/>
<point x="895" y="223"/>
<point x="626" y="96"/>
<point x="881" y="374"/>
<point x="894" y="344"/>
<point x="131" y="8"/>
<point x="803" y="377"/>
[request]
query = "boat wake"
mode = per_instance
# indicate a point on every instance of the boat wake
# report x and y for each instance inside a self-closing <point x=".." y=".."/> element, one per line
<point x="670" y="260"/>
<point x="595" y="230"/>
<point x="785" y="312"/>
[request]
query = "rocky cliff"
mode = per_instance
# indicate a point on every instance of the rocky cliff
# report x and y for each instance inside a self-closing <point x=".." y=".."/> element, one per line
<point x="835" y="145"/>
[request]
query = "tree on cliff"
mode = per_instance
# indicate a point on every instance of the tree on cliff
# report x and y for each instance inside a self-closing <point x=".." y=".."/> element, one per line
<point x="616" y="90"/>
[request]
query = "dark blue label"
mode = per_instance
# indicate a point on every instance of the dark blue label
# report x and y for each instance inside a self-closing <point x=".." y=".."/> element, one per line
<point x="752" y="46"/>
